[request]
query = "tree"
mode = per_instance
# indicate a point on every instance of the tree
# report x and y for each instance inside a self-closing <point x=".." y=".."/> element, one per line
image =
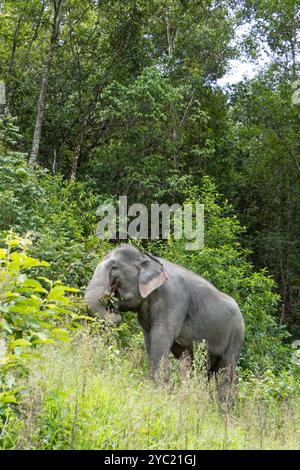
<point x="57" y="18"/>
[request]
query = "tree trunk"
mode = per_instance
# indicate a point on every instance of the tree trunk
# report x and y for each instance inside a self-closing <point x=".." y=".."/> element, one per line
<point x="54" y="160"/>
<point x="11" y="75"/>
<point x="14" y="45"/>
<point x="78" y="149"/>
<point x="44" y="86"/>
<point x="171" y="42"/>
<point x="34" y="37"/>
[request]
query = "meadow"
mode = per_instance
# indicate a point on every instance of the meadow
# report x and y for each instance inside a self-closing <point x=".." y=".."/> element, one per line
<point x="90" y="394"/>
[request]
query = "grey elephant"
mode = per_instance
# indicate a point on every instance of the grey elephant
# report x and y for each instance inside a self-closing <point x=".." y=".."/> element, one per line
<point x="176" y="307"/>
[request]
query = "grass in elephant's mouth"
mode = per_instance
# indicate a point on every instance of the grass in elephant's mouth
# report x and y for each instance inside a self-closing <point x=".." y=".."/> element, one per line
<point x="110" y="303"/>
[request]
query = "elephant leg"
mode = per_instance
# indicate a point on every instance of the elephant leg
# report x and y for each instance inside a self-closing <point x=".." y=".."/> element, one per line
<point x="160" y="345"/>
<point x="212" y="362"/>
<point x="177" y="350"/>
<point x="146" y="334"/>
<point x="224" y="372"/>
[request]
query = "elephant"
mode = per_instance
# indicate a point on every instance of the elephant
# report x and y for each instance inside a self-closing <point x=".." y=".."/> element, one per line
<point x="176" y="308"/>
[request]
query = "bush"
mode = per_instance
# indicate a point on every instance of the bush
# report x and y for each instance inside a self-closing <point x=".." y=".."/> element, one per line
<point x="60" y="216"/>
<point x="33" y="311"/>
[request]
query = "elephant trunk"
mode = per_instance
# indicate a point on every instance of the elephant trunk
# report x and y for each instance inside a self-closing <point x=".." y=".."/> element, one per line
<point x="94" y="302"/>
<point x="98" y="287"/>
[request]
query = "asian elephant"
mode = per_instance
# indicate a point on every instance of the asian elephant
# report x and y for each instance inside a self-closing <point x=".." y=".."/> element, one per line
<point x="176" y="307"/>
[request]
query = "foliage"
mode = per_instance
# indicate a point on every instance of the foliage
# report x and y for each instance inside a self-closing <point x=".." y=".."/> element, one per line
<point x="267" y="143"/>
<point x="59" y="214"/>
<point x="269" y="387"/>
<point x="143" y="109"/>
<point x="32" y="312"/>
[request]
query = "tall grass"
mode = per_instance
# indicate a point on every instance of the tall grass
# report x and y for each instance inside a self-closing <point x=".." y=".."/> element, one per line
<point x="89" y="394"/>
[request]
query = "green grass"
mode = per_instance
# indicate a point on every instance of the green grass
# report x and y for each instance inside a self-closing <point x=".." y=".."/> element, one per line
<point x="89" y="394"/>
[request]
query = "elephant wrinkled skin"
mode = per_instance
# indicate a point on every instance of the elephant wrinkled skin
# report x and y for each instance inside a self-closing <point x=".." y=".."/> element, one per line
<point x="176" y="308"/>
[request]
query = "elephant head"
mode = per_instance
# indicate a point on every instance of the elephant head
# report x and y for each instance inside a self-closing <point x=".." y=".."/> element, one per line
<point x="127" y="273"/>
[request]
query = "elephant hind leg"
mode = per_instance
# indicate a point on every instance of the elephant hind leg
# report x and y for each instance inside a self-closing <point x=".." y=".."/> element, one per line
<point x="222" y="363"/>
<point x="212" y="362"/>
<point x="177" y="350"/>
<point x="230" y="356"/>
<point x="224" y="373"/>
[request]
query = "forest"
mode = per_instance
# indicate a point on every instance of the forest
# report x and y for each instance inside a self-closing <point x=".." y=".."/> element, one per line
<point x="105" y="98"/>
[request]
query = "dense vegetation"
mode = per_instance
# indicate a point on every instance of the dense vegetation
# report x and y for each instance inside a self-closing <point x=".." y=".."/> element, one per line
<point x="106" y="98"/>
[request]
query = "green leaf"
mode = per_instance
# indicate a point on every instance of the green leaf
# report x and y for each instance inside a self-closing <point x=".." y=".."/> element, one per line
<point x="57" y="294"/>
<point x="33" y="284"/>
<point x="3" y="253"/>
<point x="43" y="341"/>
<point x="8" y="399"/>
<point x="21" y="342"/>
<point x="46" y="280"/>
<point x="25" y="262"/>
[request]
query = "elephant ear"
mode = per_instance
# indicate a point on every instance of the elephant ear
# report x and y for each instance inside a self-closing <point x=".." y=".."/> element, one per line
<point x="152" y="276"/>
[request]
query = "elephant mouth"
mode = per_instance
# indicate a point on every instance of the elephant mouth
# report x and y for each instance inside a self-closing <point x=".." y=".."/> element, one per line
<point x="114" y="288"/>
<point x="110" y="302"/>
<point x="111" y="299"/>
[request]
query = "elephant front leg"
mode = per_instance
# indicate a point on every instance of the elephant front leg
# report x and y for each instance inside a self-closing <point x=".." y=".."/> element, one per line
<point x="160" y="345"/>
<point x="146" y="334"/>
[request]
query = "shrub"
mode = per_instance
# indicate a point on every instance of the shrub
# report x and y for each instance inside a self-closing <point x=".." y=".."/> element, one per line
<point x="32" y="312"/>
